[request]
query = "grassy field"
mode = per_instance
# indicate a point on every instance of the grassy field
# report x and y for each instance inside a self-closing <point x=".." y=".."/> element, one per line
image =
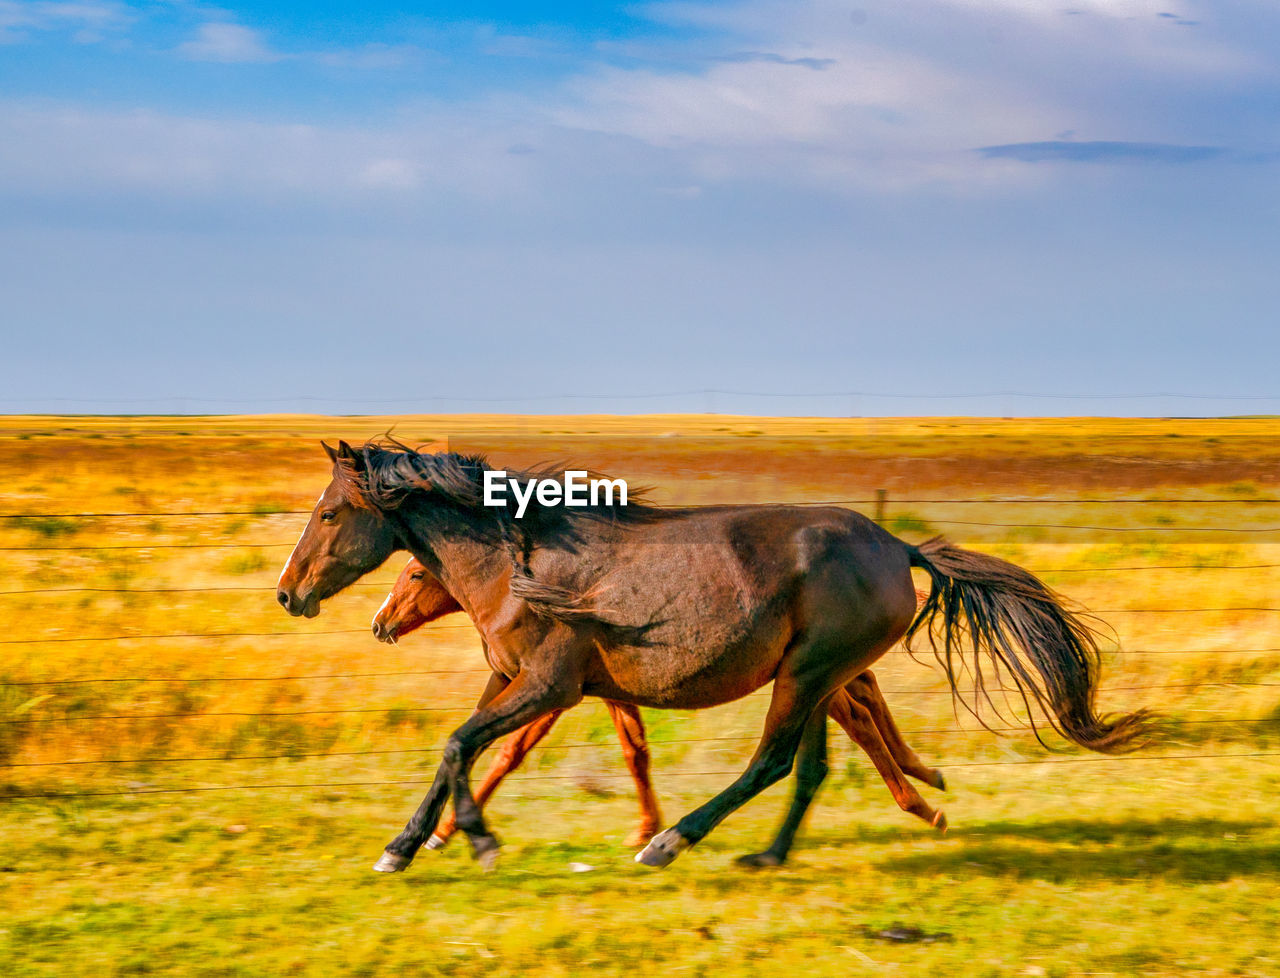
<point x="236" y="772"/>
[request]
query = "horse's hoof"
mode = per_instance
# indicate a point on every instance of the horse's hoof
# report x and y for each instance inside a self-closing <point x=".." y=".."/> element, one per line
<point x="940" y="822"/>
<point x="662" y="849"/>
<point x="435" y="842"/>
<point x="758" y="860"/>
<point x="938" y="781"/>
<point x="485" y="850"/>
<point x="392" y="863"/>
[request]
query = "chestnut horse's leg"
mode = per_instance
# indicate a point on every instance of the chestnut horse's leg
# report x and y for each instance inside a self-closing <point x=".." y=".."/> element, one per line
<point x="513" y="754"/>
<point x="811" y="771"/>
<point x="522" y="701"/>
<point x="635" y="751"/>
<point x="866" y="691"/>
<point x="858" y="724"/>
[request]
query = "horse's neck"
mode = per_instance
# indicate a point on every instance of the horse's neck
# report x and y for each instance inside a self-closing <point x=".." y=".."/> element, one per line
<point x="475" y="573"/>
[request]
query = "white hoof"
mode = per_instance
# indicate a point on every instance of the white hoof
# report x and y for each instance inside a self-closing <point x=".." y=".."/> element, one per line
<point x="435" y="842"/>
<point x="391" y="863"/>
<point x="662" y="849"/>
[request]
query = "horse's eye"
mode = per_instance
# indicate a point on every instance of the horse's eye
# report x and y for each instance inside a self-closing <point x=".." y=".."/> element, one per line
<point x="327" y="516"/>
<point x="416" y="576"/>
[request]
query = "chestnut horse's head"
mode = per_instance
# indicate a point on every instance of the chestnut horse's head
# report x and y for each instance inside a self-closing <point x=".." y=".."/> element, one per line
<point x="416" y="599"/>
<point x="345" y="538"/>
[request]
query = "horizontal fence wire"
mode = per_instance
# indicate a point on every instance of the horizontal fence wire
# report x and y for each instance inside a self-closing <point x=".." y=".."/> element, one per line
<point x="579" y="745"/>
<point x="726" y="772"/>
<point x="261" y="589"/>
<point x="215" y="758"/>
<point x="301" y="677"/>
<point x="1164" y="528"/>
<point x="163" y="636"/>
<point x="184" y="635"/>
<point x="209" y="679"/>
<point x="93" y="548"/>
<point x="895" y="500"/>
<point x="83" y="548"/>
<point x="460" y="708"/>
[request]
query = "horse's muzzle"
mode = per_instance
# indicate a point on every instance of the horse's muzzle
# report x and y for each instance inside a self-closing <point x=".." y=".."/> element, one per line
<point x="298" y="607"/>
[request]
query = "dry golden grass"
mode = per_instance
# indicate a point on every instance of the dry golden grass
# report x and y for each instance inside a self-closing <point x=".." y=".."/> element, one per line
<point x="270" y="467"/>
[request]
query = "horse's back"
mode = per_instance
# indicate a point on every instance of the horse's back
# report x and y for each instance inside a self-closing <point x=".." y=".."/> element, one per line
<point x="722" y="594"/>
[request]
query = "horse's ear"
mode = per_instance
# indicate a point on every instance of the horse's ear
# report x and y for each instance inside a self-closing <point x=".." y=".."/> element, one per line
<point x="333" y="456"/>
<point x="351" y="457"/>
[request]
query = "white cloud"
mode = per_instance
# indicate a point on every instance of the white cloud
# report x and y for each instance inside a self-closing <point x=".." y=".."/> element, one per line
<point x="88" y="21"/>
<point x="52" y="152"/>
<point x="229" y="43"/>
<point x="908" y="92"/>
<point x="823" y="103"/>
<point x="870" y="118"/>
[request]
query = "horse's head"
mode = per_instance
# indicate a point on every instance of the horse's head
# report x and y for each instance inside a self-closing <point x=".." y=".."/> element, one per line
<point x="416" y="599"/>
<point x="345" y="538"/>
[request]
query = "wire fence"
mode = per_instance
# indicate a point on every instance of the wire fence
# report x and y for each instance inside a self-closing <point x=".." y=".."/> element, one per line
<point x="15" y="522"/>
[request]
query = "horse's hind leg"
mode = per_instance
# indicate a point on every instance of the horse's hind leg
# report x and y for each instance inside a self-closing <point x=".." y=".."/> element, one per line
<point x="635" y="751"/>
<point x="858" y="724"/>
<point x="811" y="771"/>
<point x="789" y="710"/>
<point x="514" y="751"/>
<point x="866" y="691"/>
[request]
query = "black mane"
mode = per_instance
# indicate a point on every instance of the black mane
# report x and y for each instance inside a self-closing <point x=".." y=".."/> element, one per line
<point x="383" y="475"/>
<point x="391" y="472"/>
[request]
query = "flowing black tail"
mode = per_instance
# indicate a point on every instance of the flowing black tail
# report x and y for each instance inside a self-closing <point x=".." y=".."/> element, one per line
<point x="1013" y="617"/>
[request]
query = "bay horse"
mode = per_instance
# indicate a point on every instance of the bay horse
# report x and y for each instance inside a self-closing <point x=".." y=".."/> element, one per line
<point x="417" y="598"/>
<point x="685" y="608"/>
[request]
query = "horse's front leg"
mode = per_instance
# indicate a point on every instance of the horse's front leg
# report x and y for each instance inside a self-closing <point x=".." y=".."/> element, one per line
<point x="635" y="751"/>
<point x="526" y="698"/>
<point x="513" y="754"/>
<point x="427" y="816"/>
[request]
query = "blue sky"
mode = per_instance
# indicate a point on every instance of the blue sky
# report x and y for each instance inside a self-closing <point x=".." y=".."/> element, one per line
<point x="871" y="208"/>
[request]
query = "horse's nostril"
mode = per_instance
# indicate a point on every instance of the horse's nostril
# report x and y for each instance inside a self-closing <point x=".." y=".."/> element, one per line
<point x="283" y="598"/>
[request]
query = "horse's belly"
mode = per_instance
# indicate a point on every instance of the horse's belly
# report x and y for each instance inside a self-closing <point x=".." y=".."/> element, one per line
<point x="694" y="676"/>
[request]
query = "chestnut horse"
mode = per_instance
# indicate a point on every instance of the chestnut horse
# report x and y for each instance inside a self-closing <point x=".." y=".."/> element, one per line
<point x="684" y="609"/>
<point x="418" y="598"/>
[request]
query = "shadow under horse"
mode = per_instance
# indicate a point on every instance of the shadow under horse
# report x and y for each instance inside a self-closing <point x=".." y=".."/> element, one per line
<point x="684" y="608"/>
